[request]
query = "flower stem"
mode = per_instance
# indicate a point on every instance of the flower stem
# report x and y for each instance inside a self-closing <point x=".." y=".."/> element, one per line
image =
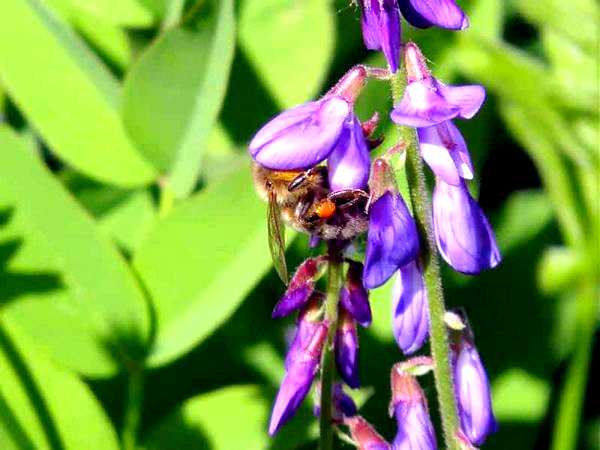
<point x="133" y="408"/>
<point x="421" y="205"/>
<point x="334" y="284"/>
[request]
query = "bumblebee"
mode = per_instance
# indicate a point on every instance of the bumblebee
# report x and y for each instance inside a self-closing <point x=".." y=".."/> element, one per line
<point x="304" y="201"/>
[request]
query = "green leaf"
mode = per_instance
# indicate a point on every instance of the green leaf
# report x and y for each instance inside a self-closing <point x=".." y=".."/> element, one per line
<point x="129" y="13"/>
<point x="64" y="271"/>
<point x="290" y="43"/>
<point x="201" y="261"/>
<point x="173" y="95"/>
<point x="43" y="407"/>
<point x="67" y="94"/>
<point x="229" y="418"/>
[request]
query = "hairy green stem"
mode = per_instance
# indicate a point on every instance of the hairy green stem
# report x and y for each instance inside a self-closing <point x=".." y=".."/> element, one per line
<point x="334" y="284"/>
<point x="421" y="205"/>
<point x="133" y="408"/>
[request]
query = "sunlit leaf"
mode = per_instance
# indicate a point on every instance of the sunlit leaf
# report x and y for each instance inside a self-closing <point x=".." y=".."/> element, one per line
<point x="65" y="284"/>
<point x="66" y="93"/>
<point x="43" y="407"/>
<point x="130" y="13"/>
<point x="173" y="94"/>
<point x="200" y="262"/>
<point x="290" y="43"/>
<point x="520" y="396"/>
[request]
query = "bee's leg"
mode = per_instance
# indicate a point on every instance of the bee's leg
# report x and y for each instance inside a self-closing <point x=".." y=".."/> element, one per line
<point x="348" y="197"/>
<point x="304" y="176"/>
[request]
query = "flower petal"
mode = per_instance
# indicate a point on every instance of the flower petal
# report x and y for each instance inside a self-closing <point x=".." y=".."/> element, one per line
<point x="423" y="106"/>
<point x="463" y="234"/>
<point x="410" y="312"/>
<point x="445" y="151"/>
<point x="349" y="162"/>
<point x="468" y="99"/>
<point x="301" y="137"/>
<point x="292" y="300"/>
<point x="370" y="24"/>
<point x="346" y="351"/>
<point x="426" y="13"/>
<point x="392" y="239"/>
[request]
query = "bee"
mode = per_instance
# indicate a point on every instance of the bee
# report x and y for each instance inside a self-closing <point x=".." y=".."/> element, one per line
<point x="304" y="201"/>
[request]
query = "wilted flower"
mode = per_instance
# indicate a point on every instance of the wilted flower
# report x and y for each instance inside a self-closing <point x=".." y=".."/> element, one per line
<point x="300" y="288"/>
<point x="364" y="435"/>
<point x="306" y="135"/>
<point x="409" y="406"/>
<point x="410" y="310"/>
<point x="440" y="13"/>
<point x="298" y="379"/>
<point x="427" y="101"/>
<point x="463" y="234"/>
<point x="472" y="390"/>
<point x="346" y="349"/>
<point x="354" y="298"/>
<point x="392" y="238"/>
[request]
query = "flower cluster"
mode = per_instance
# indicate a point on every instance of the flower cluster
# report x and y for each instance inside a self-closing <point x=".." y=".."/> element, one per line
<point x="327" y="134"/>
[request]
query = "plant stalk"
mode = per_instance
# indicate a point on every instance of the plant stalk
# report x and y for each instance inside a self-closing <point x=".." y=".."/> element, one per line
<point x="421" y="206"/>
<point x="133" y="408"/>
<point x="334" y="284"/>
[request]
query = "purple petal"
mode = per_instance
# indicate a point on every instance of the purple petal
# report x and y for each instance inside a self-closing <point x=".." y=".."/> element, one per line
<point x="346" y="354"/>
<point x="423" y="106"/>
<point x="292" y="300"/>
<point x="464" y="236"/>
<point x="301" y="137"/>
<point x="380" y="24"/>
<point x="349" y="162"/>
<point x="473" y="396"/>
<point x="410" y="311"/>
<point x="468" y="99"/>
<point x="370" y="25"/>
<point x="356" y="302"/>
<point x="415" y="430"/>
<point x="445" y="151"/>
<point x="427" y="13"/>
<point x="392" y="239"/>
<point x="342" y="402"/>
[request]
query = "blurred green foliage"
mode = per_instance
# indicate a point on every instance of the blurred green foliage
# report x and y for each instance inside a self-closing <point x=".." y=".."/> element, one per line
<point x="131" y="240"/>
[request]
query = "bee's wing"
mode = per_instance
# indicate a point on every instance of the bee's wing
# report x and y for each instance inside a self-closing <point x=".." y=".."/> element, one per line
<point x="277" y="237"/>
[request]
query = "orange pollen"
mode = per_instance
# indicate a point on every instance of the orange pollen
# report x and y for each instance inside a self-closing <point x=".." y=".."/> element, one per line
<point x="325" y="209"/>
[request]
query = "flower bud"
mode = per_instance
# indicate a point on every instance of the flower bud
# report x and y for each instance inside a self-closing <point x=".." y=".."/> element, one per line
<point x="300" y="288"/>
<point x="309" y="320"/>
<point x="364" y="435"/>
<point x="346" y="350"/>
<point x="298" y="379"/>
<point x="381" y="29"/>
<point x="409" y="406"/>
<point x="354" y="298"/>
<point x="343" y="405"/>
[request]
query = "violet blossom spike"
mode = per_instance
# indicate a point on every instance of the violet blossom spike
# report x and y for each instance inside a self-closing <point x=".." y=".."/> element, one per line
<point x="410" y="310"/>
<point x="409" y="406"/>
<point x="381" y="29"/>
<point x="301" y="137"/>
<point x="297" y="380"/>
<point x="427" y="101"/>
<point x="392" y="239"/>
<point x="349" y="162"/>
<point x="473" y="396"/>
<point x="300" y="288"/>
<point x="364" y="435"/>
<point x="346" y="350"/>
<point x="463" y="234"/>
<point x="444" y="149"/>
<point x="354" y="298"/>
<point x="441" y="13"/>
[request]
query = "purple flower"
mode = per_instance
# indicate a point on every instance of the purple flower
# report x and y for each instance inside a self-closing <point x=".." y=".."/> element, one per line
<point x="410" y="310"/>
<point x="381" y="29"/>
<point x="307" y="324"/>
<point x="415" y="430"/>
<point x="463" y="234"/>
<point x="365" y="435"/>
<point x="392" y="239"/>
<point x="346" y="350"/>
<point x="444" y="149"/>
<point x="473" y="396"/>
<point x="297" y="380"/>
<point x="427" y="101"/>
<point x="349" y="162"/>
<point x="343" y="405"/>
<point x="300" y="288"/>
<point x="427" y="13"/>
<point x="354" y="298"/>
